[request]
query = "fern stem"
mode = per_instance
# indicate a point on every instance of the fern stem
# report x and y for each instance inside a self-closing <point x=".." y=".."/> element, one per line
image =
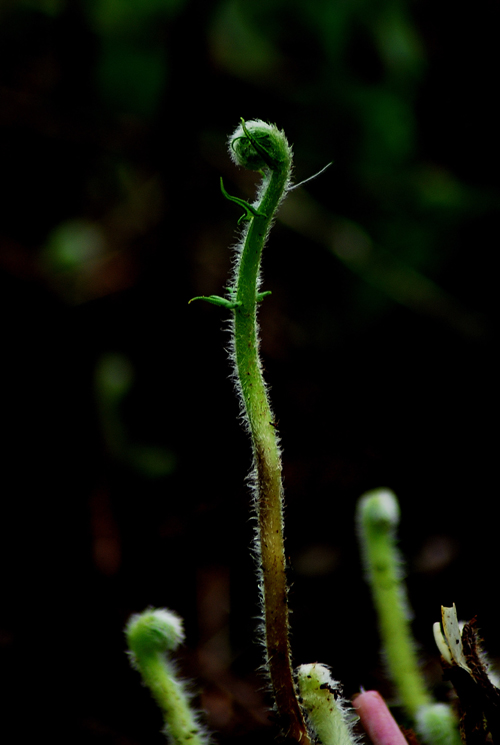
<point x="261" y="146"/>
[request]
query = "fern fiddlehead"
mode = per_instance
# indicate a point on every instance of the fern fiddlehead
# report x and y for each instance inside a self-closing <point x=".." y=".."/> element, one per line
<point x="262" y="147"/>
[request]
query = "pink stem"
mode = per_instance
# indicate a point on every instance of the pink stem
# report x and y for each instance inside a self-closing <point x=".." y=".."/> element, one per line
<point x="377" y="720"/>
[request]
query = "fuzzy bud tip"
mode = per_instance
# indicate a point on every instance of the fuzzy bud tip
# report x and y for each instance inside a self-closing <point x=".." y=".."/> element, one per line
<point x="257" y="145"/>
<point x="153" y="631"/>
<point x="380" y="507"/>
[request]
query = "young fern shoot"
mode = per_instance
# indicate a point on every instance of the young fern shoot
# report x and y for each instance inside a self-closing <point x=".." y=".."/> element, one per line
<point x="378" y="518"/>
<point x="262" y="147"/>
<point x="331" y="717"/>
<point x="151" y="636"/>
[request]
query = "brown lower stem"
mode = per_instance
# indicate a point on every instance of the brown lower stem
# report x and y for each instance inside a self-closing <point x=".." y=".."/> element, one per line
<point x="275" y="603"/>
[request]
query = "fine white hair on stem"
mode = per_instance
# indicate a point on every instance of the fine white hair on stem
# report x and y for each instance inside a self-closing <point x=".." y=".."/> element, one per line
<point x="151" y="637"/>
<point x="329" y="715"/>
<point x="262" y="147"/>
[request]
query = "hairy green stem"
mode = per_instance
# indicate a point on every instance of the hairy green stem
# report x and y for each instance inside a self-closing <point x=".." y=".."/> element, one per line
<point x="378" y="516"/>
<point x="330" y="716"/>
<point x="151" y="636"/>
<point x="267" y="460"/>
<point x="262" y="147"/>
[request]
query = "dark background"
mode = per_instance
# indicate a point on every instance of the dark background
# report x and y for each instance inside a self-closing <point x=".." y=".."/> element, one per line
<point x="124" y="463"/>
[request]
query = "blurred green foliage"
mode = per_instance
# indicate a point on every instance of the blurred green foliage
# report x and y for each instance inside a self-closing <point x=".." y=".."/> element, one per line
<point x="349" y="75"/>
<point x="133" y="64"/>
